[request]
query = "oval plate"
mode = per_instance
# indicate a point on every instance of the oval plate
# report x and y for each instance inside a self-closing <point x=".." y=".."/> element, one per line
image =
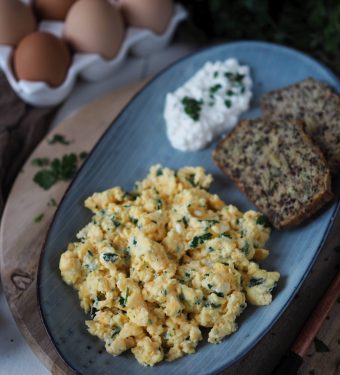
<point x="134" y="142"/>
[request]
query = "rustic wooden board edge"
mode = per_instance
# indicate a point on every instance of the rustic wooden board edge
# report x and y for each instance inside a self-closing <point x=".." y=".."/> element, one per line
<point x="22" y="235"/>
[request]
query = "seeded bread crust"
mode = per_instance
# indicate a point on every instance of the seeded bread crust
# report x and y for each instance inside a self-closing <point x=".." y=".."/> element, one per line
<point x="317" y="106"/>
<point x="299" y="180"/>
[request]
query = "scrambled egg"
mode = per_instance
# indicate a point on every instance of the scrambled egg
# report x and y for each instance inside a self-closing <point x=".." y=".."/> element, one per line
<point x="155" y="265"/>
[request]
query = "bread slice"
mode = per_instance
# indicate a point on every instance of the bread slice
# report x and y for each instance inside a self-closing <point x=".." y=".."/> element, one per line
<point x="318" y="106"/>
<point x="275" y="163"/>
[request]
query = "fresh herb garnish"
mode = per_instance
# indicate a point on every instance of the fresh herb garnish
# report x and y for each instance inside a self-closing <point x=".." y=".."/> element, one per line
<point x="52" y="203"/>
<point x="227" y="103"/>
<point x="123" y="300"/>
<point x="214" y="88"/>
<point x="254" y="281"/>
<point x="230" y="93"/>
<point x="38" y="218"/>
<point x="192" y="107"/>
<point x="93" y="312"/>
<point x="159" y="172"/>
<point x="215" y="74"/>
<point x="90" y="253"/>
<point x="40" y="162"/>
<point x="133" y="220"/>
<point x="219" y="294"/>
<point x="191" y="179"/>
<point x="209" y="286"/>
<point x="245" y="248"/>
<point x="110" y="257"/>
<point x="185" y="220"/>
<point x="159" y="204"/>
<point x="199" y="240"/>
<point x="115" y="222"/>
<point x="58" y="138"/>
<point x="320" y="346"/>
<point x="59" y="170"/>
<point x="213" y="305"/>
<point x="115" y="332"/>
<point x="263" y="220"/>
<point x="83" y="155"/>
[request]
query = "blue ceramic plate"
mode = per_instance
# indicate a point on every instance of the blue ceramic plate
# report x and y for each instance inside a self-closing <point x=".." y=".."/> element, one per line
<point x="134" y="142"/>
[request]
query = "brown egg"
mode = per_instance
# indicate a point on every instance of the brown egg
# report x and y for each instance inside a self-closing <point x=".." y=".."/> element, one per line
<point x="95" y="26"/>
<point x="16" y="21"/>
<point x="53" y="9"/>
<point x="43" y="57"/>
<point x="149" y="14"/>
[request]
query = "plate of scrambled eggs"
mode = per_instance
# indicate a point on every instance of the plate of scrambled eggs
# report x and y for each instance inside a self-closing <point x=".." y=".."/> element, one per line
<point x="155" y="262"/>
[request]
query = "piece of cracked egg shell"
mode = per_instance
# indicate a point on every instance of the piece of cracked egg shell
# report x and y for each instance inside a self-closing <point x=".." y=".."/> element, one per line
<point x="95" y="27"/>
<point x="41" y="56"/>
<point x="16" y="21"/>
<point x="147" y="14"/>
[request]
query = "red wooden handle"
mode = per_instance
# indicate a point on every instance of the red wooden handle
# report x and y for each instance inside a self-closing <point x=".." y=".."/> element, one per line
<point x="314" y="322"/>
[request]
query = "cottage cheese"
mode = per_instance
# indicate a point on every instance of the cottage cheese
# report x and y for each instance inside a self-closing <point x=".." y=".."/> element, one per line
<point x="208" y="104"/>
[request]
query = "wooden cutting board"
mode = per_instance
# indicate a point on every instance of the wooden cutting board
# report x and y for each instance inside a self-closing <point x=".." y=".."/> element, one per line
<point x="22" y="233"/>
<point x="22" y="237"/>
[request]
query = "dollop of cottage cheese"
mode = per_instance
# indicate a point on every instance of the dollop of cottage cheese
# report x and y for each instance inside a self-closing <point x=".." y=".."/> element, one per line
<point x="208" y="104"/>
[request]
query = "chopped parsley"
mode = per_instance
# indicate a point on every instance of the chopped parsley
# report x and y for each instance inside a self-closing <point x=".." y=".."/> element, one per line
<point x="115" y="332"/>
<point x="123" y="300"/>
<point x="52" y="203"/>
<point x="215" y="88"/>
<point x="59" y="170"/>
<point x="159" y="172"/>
<point x="227" y="103"/>
<point x="191" y="179"/>
<point x="93" y="312"/>
<point x="134" y="241"/>
<point x="215" y="74"/>
<point x="90" y="253"/>
<point x="245" y="248"/>
<point x="185" y="220"/>
<point x="212" y="305"/>
<point x="159" y="204"/>
<point x="263" y="220"/>
<point x="83" y="155"/>
<point x="254" y="281"/>
<point x="209" y="286"/>
<point x="219" y="294"/>
<point x="211" y="249"/>
<point x="199" y="240"/>
<point x="110" y="257"/>
<point x="38" y="218"/>
<point x="133" y="220"/>
<point x="40" y="162"/>
<point x="230" y="92"/>
<point x="58" y="138"/>
<point x="225" y="234"/>
<point x="115" y="222"/>
<point x="192" y="107"/>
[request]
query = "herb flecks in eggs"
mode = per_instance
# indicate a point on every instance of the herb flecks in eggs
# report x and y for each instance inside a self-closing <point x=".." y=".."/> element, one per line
<point x="153" y="267"/>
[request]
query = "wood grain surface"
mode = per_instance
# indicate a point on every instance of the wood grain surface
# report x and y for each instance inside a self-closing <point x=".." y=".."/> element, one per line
<point x="21" y="240"/>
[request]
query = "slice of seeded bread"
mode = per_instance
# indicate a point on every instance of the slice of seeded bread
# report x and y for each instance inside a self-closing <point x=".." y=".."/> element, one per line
<point x="275" y="163"/>
<point x="319" y="108"/>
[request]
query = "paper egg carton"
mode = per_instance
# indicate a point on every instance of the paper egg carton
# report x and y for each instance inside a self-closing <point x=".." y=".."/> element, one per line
<point x="90" y="66"/>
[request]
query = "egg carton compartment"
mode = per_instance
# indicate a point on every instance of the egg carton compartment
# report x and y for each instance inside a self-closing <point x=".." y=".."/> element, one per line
<point x="89" y="66"/>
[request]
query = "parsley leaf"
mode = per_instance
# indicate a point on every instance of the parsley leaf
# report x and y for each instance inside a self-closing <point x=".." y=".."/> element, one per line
<point x="40" y="162"/>
<point x="58" y="138"/>
<point x="38" y="218"/>
<point x="264" y="221"/>
<point x="199" y="240"/>
<point x="254" y="281"/>
<point x="192" y="107"/>
<point x="59" y="170"/>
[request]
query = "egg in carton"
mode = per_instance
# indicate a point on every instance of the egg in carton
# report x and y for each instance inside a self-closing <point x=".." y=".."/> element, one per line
<point x="90" y="66"/>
